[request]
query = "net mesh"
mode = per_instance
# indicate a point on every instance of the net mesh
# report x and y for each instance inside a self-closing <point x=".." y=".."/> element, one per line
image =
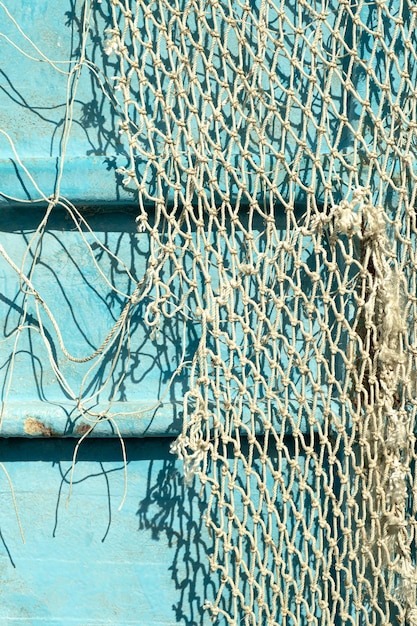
<point x="271" y="150"/>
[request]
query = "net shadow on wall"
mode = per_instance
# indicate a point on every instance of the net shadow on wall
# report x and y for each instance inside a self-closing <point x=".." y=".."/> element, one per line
<point x="168" y="513"/>
<point x="65" y="115"/>
<point x="166" y="102"/>
<point x="82" y="275"/>
<point x="174" y="511"/>
<point x="160" y="529"/>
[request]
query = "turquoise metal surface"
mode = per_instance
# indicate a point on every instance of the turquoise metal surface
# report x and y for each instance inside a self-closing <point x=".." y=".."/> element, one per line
<point x="34" y="111"/>
<point x="78" y="277"/>
<point x="86" y="563"/>
<point x="36" y="161"/>
<point x="76" y="274"/>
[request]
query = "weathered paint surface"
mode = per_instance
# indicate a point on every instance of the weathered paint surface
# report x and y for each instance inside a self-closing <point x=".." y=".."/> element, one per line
<point x="88" y="563"/>
<point x="34" y="111"/>
<point x="68" y="273"/>
<point x="68" y="277"/>
<point x="85" y="562"/>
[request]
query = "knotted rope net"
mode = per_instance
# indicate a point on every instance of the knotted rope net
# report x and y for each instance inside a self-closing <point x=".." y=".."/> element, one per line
<point x="271" y="153"/>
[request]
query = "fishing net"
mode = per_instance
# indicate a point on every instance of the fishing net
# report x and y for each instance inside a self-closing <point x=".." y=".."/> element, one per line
<point x="269" y="151"/>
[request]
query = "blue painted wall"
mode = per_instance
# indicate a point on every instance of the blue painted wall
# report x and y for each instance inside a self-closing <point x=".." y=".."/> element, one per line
<point x="89" y="563"/>
<point x="85" y="563"/>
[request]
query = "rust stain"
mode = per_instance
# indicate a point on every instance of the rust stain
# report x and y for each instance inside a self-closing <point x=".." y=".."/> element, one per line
<point x="35" y="427"/>
<point x="82" y="429"/>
